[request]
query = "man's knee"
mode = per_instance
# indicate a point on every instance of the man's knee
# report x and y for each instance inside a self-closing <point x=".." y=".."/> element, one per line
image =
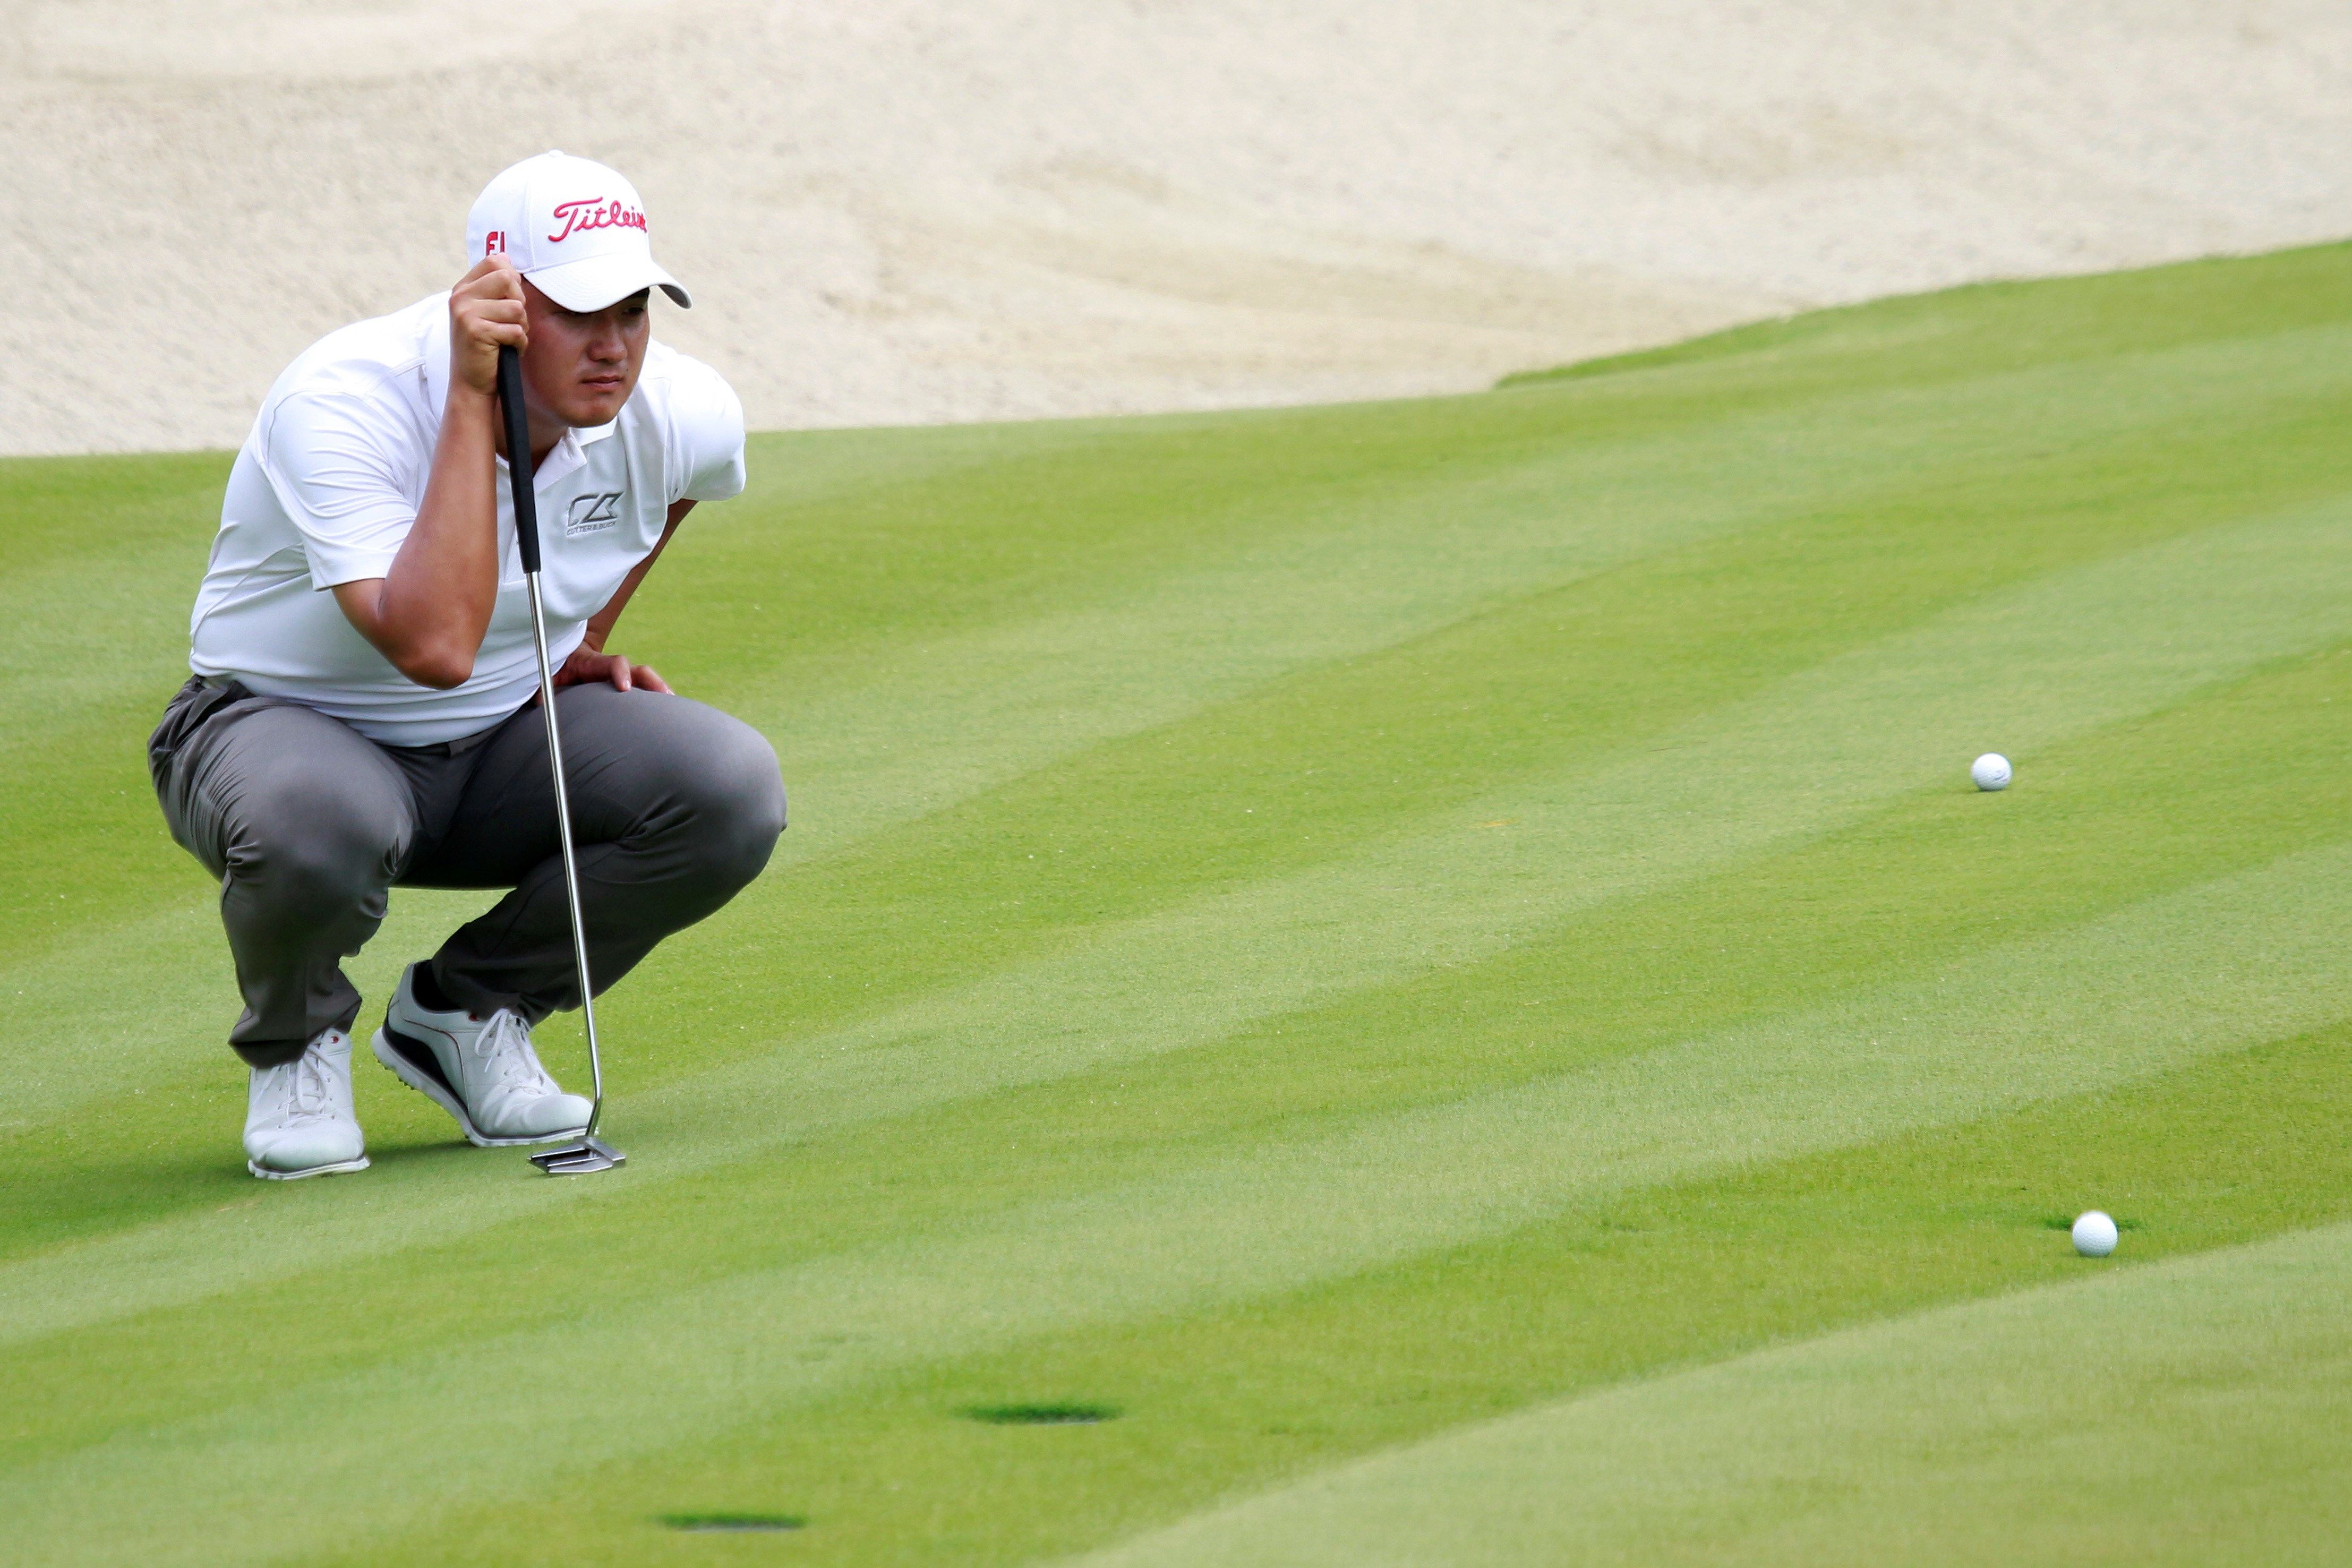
<point x="317" y="844"/>
<point x="730" y="782"/>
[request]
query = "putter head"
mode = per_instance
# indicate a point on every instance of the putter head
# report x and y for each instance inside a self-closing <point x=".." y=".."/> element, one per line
<point x="586" y="1157"/>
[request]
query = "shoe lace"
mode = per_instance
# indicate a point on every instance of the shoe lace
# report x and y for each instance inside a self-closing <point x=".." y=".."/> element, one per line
<point x="310" y="1093"/>
<point x="504" y="1049"/>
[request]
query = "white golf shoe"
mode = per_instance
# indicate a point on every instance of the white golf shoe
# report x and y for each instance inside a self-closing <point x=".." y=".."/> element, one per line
<point x="298" y="1114"/>
<point x="481" y="1071"/>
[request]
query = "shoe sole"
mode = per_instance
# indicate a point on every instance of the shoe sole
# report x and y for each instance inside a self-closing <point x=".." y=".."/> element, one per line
<point x="411" y="1061"/>
<point x="267" y="1174"/>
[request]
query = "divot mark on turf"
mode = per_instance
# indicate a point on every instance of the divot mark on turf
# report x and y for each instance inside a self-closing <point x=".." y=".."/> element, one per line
<point x="726" y="1524"/>
<point x="1042" y="1415"/>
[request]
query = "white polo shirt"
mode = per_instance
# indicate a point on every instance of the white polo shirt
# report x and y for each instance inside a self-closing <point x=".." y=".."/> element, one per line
<point x="327" y="485"/>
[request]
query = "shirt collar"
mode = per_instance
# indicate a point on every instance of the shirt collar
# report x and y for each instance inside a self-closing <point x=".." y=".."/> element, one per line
<point x="562" y="458"/>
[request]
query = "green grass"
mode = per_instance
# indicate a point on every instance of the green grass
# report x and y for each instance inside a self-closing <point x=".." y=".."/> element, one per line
<point x="1418" y="982"/>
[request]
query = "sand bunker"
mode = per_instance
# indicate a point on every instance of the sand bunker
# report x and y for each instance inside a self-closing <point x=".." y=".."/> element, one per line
<point x="895" y="212"/>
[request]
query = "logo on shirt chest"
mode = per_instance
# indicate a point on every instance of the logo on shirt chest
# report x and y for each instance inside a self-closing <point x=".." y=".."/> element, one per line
<point x="591" y="514"/>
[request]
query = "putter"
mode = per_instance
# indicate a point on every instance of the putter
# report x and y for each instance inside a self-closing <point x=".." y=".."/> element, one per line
<point x="591" y="1153"/>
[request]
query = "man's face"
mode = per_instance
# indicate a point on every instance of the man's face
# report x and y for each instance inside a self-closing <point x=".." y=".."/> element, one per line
<point x="582" y="365"/>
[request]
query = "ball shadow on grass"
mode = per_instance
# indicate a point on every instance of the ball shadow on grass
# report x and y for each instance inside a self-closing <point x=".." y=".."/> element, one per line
<point x="731" y="1523"/>
<point x="1054" y="1415"/>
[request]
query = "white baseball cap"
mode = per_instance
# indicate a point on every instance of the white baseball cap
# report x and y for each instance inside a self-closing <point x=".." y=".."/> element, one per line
<point x="573" y="227"/>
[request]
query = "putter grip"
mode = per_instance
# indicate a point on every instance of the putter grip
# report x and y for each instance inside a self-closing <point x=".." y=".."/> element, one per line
<point x="518" y="429"/>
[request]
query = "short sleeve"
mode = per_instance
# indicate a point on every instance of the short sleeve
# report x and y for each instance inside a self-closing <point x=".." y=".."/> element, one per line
<point x="338" y="465"/>
<point x="706" y="435"/>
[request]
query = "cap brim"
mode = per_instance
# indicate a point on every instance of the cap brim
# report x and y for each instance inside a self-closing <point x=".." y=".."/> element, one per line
<point x="595" y="281"/>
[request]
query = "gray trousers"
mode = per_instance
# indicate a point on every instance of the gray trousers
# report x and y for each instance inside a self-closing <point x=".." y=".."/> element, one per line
<point x="308" y="825"/>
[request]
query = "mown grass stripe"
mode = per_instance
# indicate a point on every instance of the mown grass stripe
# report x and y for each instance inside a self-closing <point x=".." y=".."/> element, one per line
<point x="2052" y="1426"/>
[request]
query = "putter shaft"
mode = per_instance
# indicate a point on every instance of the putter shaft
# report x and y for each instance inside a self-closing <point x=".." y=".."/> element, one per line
<point x="571" y="861"/>
<point x="592" y="1153"/>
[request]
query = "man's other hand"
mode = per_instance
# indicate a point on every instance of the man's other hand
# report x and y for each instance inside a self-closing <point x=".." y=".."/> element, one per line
<point x="586" y="667"/>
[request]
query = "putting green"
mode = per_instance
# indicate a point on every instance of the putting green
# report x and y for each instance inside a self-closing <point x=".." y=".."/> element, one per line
<point x="1391" y="946"/>
<point x="2050" y="1427"/>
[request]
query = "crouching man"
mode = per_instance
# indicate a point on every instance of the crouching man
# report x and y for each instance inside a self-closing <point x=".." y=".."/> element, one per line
<point x="363" y="709"/>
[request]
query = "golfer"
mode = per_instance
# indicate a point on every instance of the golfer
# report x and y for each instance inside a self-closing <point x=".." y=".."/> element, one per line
<point x="362" y="712"/>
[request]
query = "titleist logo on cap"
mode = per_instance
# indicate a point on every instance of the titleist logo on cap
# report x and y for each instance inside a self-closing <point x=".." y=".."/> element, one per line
<point x="595" y="213"/>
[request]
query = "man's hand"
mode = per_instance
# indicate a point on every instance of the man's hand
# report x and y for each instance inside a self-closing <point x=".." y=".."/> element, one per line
<point x="485" y="313"/>
<point x="429" y="613"/>
<point x="586" y="667"/>
<point x="589" y="661"/>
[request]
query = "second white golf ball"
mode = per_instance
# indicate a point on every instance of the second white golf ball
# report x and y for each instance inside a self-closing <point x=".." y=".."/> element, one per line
<point x="2095" y="1234"/>
<point x="1991" y="772"/>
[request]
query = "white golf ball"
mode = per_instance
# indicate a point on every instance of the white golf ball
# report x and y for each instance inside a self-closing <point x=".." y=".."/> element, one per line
<point x="1991" y="772"/>
<point x="2095" y="1234"/>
